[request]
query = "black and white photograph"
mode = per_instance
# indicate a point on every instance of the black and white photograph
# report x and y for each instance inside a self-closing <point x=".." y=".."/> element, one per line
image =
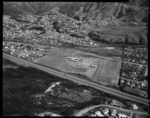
<point x="75" y="59"/>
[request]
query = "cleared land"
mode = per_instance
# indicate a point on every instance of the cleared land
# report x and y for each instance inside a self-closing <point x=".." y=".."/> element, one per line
<point x="85" y="69"/>
<point x="50" y="61"/>
<point x="80" y="81"/>
<point x="106" y="72"/>
<point x="55" y="57"/>
<point x="84" y="54"/>
<point x="71" y="68"/>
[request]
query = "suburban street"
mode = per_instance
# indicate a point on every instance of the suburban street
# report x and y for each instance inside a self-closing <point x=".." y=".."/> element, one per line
<point x="90" y="54"/>
<point x="83" y="111"/>
<point x="80" y="81"/>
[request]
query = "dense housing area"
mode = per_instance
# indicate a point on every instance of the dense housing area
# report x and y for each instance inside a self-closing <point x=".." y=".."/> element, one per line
<point x="90" y="53"/>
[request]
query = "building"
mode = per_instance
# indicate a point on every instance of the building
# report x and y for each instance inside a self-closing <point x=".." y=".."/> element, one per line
<point x="74" y="59"/>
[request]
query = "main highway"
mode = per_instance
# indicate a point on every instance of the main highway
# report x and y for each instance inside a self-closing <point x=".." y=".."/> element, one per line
<point x="80" y="81"/>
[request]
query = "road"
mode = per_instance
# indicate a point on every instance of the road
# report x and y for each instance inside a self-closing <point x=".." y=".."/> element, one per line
<point x="125" y="78"/>
<point x="85" y="110"/>
<point x="114" y="59"/>
<point x="86" y="52"/>
<point x="29" y="43"/>
<point x="80" y="81"/>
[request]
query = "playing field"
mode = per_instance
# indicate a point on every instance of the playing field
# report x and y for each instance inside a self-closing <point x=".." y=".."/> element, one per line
<point x="85" y="54"/>
<point x="53" y="58"/>
<point x="107" y="72"/>
<point x="61" y="51"/>
<point x="50" y="61"/>
<point x="70" y="68"/>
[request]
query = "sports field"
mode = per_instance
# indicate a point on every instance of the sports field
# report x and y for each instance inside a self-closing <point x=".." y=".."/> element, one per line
<point x="107" y="72"/>
<point x="61" y="51"/>
<point x="70" y="68"/>
<point x="53" y="58"/>
<point x="50" y="61"/>
<point x="85" y="54"/>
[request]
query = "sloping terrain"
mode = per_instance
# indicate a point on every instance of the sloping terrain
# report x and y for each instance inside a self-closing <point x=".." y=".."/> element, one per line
<point x="13" y="8"/>
<point x="135" y="10"/>
<point x="105" y="11"/>
<point x="114" y="22"/>
<point x="28" y="91"/>
<point x="109" y="22"/>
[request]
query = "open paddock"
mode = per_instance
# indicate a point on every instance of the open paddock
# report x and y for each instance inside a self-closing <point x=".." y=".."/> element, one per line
<point x="55" y="57"/>
<point x="70" y="68"/>
<point x="107" y="72"/>
<point x="61" y="51"/>
<point x="50" y="61"/>
<point x="90" y="73"/>
<point x="85" y="54"/>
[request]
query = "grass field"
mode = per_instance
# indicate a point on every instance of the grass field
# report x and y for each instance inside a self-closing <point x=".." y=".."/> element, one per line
<point x="90" y="72"/>
<point x="87" y="71"/>
<point x="55" y="57"/>
<point x="107" y="71"/>
<point x="70" y="68"/>
<point x="84" y="54"/>
<point x="50" y="61"/>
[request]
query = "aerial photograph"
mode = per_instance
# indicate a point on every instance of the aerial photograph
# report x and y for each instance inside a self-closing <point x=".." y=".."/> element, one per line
<point x="76" y="59"/>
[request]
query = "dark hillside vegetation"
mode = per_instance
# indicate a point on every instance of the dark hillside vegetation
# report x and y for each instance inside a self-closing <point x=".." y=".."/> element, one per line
<point x="110" y="22"/>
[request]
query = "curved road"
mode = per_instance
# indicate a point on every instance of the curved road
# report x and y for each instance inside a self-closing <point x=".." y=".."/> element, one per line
<point x="80" y="81"/>
<point x="83" y="111"/>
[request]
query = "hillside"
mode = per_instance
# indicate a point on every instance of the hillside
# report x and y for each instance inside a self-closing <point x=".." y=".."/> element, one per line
<point x="105" y="11"/>
<point x="135" y="10"/>
<point x="110" y="22"/>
